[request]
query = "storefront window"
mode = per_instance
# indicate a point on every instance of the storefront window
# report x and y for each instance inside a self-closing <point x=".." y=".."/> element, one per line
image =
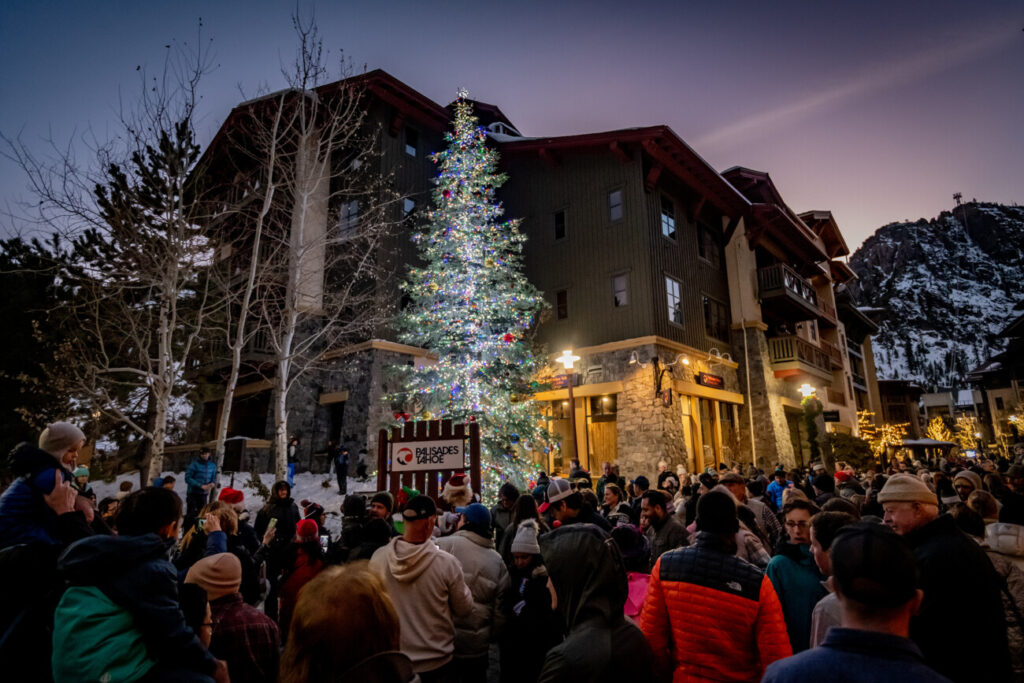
<point x="707" y="431"/>
<point x="730" y="438"/>
<point x="602" y="431"/>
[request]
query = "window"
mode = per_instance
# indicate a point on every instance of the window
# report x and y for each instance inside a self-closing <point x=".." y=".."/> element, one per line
<point x="716" y="319"/>
<point x="408" y="206"/>
<point x="668" y="218"/>
<point x="620" y="290"/>
<point x="603" y="408"/>
<point x="559" y="225"/>
<point x="675" y="302"/>
<point x="349" y="218"/>
<point x="999" y="402"/>
<point x="562" y="304"/>
<point x="412" y="141"/>
<point x="707" y="246"/>
<point x="615" y="205"/>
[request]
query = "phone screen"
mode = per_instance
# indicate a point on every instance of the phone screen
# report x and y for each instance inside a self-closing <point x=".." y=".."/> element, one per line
<point x="324" y="540"/>
<point x="272" y="523"/>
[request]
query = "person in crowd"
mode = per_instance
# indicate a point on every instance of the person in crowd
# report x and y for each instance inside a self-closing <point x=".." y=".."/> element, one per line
<point x="876" y="585"/>
<point x="168" y="482"/>
<point x="944" y="557"/>
<point x="640" y="485"/>
<point x="664" y="531"/>
<point x="824" y="488"/>
<point x="526" y="508"/>
<point x="353" y="527"/>
<point x="122" y="625"/>
<point x="376" y="535"/>
<point x="428" y="588"/>
<point x="577" y="473"/>
<point x="871" y="505"/>
<point x="340" y="459"/>
<point x="776" y="487"/>
<point x="531" y="625"/>
<point x="636" y="556"/>
<point x="327" y="644"/>
<point x="966" y="482"/>
<point x="108" y="510"/>
<point x="292" y="455"/>
<point x="689" y="591"/>
<point x="219" y="534"/>
<point x="749" y="543"/>
<point x="81" y="475"/>
<point x="201" y="478"/>
<point x="302" y="561"/>
<point x="615" y="509"/>
<point x="946" y="494"/>
<point x="794" y="574"/>
<point x="847" y="484"/>
<point x="362" y="462"/>
<point x="236" y="499"/>
<point x="124" y="489"/>
<point x="503" y="511"/>
<point x="606" y="477"/>
<point x="985" y="504"/>
<point x="768" y="523"/>
<point x="824" y="528"/>
<point x="195" y="606"/>
<point x="485" y="574"/>
<point x="245" y="638"/>
<point x="590" y="509"/>
<point x="382" y="506"/>
<point x="280" y="514"/>
<point x="26" y="513"/>
<point x="456" y="492"/>
<point x="1011" y="587"/>
<point x="839" y="504"/>
<point x="590" y="598"/>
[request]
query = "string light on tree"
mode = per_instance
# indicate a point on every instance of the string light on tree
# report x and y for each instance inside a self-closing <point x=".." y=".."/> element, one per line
<point x="472" y="308"/>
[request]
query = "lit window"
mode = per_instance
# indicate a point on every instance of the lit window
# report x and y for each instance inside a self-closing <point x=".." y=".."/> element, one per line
<point x="412" y="141"/>
<point x="668" y="218"/>
<point x="408" y="206"/>
<point x="620" y="290"/>
<point x="675" y="302"/>
<point x="559" y="225"/>
<point x="615" y="205"/>
<point x="562" y="304"/>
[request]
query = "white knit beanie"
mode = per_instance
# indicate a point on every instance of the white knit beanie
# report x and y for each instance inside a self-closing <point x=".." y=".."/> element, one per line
<point x="526" y="538"/>
<point x="58" y="437"/>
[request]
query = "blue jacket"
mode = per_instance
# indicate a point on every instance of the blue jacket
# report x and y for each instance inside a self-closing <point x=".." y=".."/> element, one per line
<point x="133" y="572"/>
<point x="849" y="655"/>
<point x="775" y="490"/>
<point x="24" y="515"/>
<point x="797" y="582"/>
<point x="199" y="473"/>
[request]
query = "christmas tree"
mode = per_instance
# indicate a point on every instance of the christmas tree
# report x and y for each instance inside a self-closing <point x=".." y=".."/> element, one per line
<point x="472" y="307"/>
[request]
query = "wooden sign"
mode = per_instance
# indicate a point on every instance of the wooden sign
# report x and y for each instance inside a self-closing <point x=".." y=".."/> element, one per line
<point x="709" y="380"/>
<point x="830" y="415"/>
<point x="423" y="455"/>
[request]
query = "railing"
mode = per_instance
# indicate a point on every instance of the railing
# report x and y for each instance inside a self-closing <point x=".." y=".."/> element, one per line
<point x="833" y="352"/>
<point x="859" y="379"/>
<point x="828" y="312"/>
<point x="836" y="397"/>
<point x="782" y="277"/>
<point x="792" y="348"/>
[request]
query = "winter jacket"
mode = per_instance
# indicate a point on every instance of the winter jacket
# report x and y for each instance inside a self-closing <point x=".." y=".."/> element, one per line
<point x="531" y="625"/>
<point x="487" y="578"/>
<point x="669" y="536"/>
<point x="767" y="519"/>
<point x="601" y="645"/>
<point x="198" y="474"/>
<point x="286" y="512"/>
<point x="246" y="533"/>
<point x="246" y="639"/>
<point x="945" y="555"/>
<point x="304" y="566"/>
<point x="851" y="655"/>
<point x="1007" y="540"/>
<point x="122" y="601"/>
<point x="24" y="515"/>
<point x="750" y="548"/>
<point x="797" y="582"/>
<point x="500" y="519"/>
<point x="620" y="515"/>
<point x="1012" y="591"/>
<point x="26" y="614"/>
<point x="637" y="582"/>
<point x="202" y="545"/>
<point x="716" y="616"/>
<point x="428" y="590"/>
<point x="775" y="490"/>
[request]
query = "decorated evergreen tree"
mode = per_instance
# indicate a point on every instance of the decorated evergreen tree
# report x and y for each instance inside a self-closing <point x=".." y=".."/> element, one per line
<point x="473" y="308"/>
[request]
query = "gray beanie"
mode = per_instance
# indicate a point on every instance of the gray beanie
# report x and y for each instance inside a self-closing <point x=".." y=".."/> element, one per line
<point x="58" y="437"/>
<point x="526" y="538"/>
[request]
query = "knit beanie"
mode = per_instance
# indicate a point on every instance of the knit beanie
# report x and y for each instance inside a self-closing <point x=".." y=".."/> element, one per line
<point x="906" y="488"/>
<point x="231" y="496"/>
<point x="526" y="538"/>
<point x="384" y="498"/>
<point x="306" y="531"/>
<point x="716" y="513"/>
<point x="80" y="471"/>
<point x="58" y="437"/>
<point x="972" y="477"/>
<point x="218" y="575"/>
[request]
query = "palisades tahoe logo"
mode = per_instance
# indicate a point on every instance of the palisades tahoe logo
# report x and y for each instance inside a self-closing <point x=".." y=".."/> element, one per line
<point x="427" y="455"/>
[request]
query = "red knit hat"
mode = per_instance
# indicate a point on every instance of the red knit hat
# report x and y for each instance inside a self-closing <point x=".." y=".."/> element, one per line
<point x="306" y="530"/>
<point x="842" y="476"/>
<point x="231" y="496"/>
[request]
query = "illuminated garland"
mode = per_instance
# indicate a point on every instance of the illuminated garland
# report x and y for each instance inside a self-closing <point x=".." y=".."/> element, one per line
<point x="472" y="307"/>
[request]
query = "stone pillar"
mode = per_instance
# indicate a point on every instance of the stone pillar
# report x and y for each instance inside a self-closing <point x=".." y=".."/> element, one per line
<point x="771" y="431"/>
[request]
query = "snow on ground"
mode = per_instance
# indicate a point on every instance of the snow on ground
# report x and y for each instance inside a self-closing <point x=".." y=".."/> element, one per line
<point x="308" y="486"/>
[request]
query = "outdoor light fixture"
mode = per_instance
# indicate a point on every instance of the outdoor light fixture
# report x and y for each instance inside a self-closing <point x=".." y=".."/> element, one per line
<point x="635" y="360"/>
<point x="806" y="390"/>
<point x="715" y="357"/>
<point x="568" y="360"/>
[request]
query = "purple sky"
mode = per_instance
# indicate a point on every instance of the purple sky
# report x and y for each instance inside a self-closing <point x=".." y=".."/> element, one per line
<point x="877" y="111"/>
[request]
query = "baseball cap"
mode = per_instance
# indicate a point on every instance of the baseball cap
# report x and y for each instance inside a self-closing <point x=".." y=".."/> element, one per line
<point x="419" y="507"/>
<point x="475" y="513"/>
<point x="557" y="490"/>
<point x="873" y="566"/>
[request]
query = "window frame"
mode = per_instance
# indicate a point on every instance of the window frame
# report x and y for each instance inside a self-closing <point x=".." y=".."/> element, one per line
<point x="710" y="330"/>
<point x="621" y="206"/>
<point x="415" y="134"/>
<point x="348" y="221"/>
<point x="669" y="280"/>
<point x="671" y="215"/>
<point x="408" y="206"/>
<point x="615" y="290"/>
<point x="562" y="304"/>
<point x="565" y="226"/>
<point x="702" y="231"/>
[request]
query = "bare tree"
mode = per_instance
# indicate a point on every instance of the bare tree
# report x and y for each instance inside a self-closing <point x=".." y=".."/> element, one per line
<point x="311" y="212"/>
<point x="134" y="221"/>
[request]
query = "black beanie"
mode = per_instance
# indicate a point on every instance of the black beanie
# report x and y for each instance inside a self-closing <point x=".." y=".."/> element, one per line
<point x="825" y="483"/>
<point x="716" y="513"/>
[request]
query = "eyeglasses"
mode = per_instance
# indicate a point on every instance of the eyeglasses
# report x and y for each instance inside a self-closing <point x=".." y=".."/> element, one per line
<point x="797" y="525"/>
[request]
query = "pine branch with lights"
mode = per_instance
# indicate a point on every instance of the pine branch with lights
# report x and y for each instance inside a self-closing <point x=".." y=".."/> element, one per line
<point x="938" y="430"/>
<point x="472" y="307"/>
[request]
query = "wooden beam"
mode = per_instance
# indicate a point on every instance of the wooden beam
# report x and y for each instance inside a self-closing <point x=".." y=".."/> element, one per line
<point x="693" y="210"/>
<point x="619" y="153"/>
<point x="652" y="177"/>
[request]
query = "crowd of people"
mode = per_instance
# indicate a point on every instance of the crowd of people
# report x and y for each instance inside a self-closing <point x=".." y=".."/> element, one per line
<point x="910" y="572"/>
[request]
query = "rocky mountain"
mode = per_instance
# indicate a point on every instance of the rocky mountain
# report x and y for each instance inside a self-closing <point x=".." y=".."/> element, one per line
<point x="942" y="289"/>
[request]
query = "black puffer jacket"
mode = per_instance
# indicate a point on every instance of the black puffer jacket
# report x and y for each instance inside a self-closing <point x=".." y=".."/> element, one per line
<point x="953" y="567"/>
<point x="600" y="646"/>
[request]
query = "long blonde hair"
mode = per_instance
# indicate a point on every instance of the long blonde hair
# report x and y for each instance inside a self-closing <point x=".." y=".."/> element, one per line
<point x="224" y="512"/>
<point x="325" y="639"/>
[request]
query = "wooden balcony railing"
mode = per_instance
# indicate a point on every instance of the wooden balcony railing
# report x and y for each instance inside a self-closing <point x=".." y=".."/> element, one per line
<point x="791" y="348"/>
<point x="781" y="278"/>
<point x="836" y="397"/>
<point x="827" y="313"/>
<point x="833" y="353"/>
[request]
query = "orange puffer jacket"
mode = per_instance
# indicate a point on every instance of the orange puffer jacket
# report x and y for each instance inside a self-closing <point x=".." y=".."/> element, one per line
<point x="710" y="616"/>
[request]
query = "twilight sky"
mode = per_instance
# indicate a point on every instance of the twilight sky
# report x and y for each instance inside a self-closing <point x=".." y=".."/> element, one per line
<point x="876" y="110"/>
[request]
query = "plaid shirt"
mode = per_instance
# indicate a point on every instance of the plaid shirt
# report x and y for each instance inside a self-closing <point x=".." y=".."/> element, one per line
<point x="245" y="638"/>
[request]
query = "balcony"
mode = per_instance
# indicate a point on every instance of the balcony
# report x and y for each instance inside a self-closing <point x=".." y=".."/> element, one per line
<point x="216" y="353"/>
<point x="827" y="315"/>
<point x="793" y="353"/>
<point x="833" y="353"/>
<point x="859" y="381"/>
<point x="837" y="398"/>
<point x="785" y="292"/>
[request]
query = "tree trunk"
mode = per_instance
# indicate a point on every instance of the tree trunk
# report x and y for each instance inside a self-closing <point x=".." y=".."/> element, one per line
<point x="281" y="421"/>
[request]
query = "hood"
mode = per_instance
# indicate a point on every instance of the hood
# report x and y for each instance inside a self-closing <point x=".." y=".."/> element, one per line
<point x="1005" y="539"/>
<point x="594" y="588"/>
<point x="95" y="559"/>
<point x="474" y="536"/>
<point x="27" y="459"/>
<point x="407" y="561"/>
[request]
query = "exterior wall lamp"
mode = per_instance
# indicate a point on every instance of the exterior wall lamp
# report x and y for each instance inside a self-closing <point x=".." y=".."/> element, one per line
<point x="659" y="369"/>
<point x="568" y="359"/>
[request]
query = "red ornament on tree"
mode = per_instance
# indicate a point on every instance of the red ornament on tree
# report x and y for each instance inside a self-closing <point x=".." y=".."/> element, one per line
<point x="508" y="338"/>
